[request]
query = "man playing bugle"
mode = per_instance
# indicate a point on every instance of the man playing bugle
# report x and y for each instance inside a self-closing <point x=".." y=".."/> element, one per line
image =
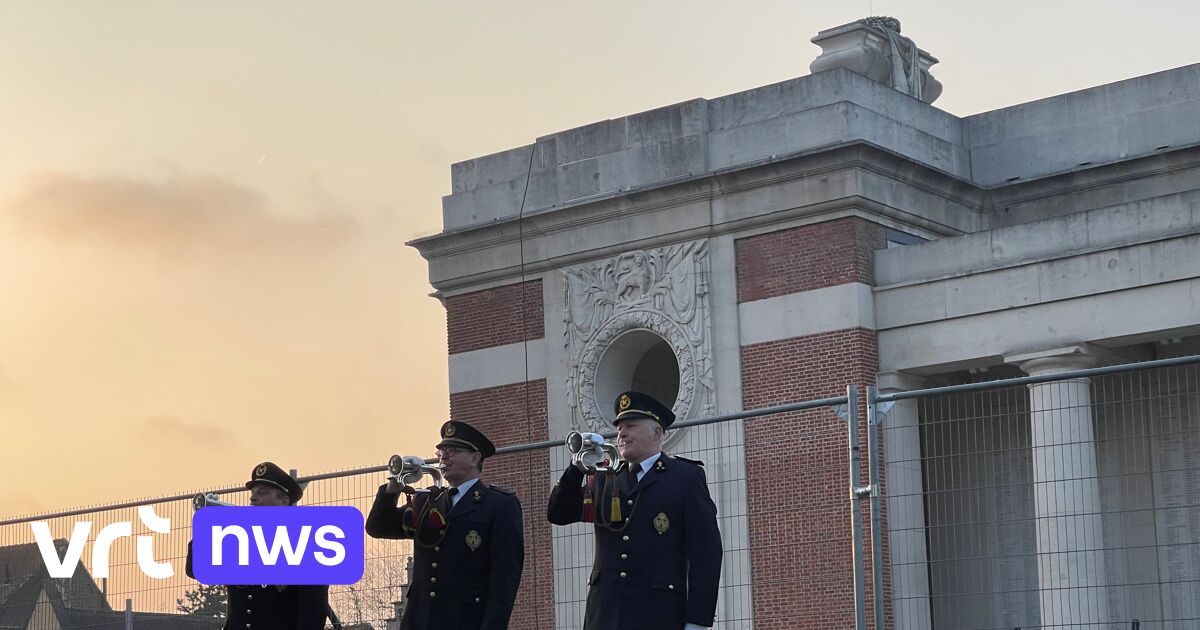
<point x="468" y="540"/>
<point x="658" y="550"/>
<point x="269" y="606"/>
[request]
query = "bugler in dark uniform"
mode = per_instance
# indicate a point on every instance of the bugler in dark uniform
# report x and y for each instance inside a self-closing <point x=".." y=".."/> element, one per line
<point x="658" y="549"/>
<point x="272" y="607"/>
<point x="467" y="555"/>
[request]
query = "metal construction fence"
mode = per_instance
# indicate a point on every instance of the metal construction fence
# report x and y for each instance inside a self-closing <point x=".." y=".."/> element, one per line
<point x="124" y="597"/>
<point x="1068" y="500"/>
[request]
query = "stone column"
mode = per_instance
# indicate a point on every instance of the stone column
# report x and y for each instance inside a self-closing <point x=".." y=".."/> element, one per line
<point x="904" y="488"/>
<point x="1070" y="538"/>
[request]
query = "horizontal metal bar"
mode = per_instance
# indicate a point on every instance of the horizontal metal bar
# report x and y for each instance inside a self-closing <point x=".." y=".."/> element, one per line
<point x="517" y="448"/>
<point x="739" y="415"/>
<point x="1045" y="378"/>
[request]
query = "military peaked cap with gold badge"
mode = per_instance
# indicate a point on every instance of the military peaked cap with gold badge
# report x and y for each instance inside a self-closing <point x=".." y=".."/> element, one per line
<point x="463" y="435"/>
<point x="632" y="405"/>
<point x="270" y="474"/>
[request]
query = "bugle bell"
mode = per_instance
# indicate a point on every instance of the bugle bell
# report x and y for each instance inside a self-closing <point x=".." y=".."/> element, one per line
<point x="409" y="469"/>
<point x="591" y="454"/>
<point x="204" y="500"/>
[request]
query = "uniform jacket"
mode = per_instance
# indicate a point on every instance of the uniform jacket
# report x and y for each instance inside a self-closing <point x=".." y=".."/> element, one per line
<point x="659" y="566"/>
<point x="273" y="607"/>
<point x="467" y="577"/>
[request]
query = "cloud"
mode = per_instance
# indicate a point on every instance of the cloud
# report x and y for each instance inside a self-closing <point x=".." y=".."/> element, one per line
<point x="180" y="216"/>
<point x="170" y="431"/>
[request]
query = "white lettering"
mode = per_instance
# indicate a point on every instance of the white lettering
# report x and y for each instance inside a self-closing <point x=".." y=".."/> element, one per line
<point x="338" y="549"/>
<point x="70" y="559"/>
<point x="102" y="546"/>
<point x="145" y="544"/>
<point x="218" y="535"/>
<point x="104" y="540"/>
<point x="282" y="541"/>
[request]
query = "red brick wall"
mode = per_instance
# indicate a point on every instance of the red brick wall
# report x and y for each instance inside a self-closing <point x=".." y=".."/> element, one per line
<point x="508" y="415"/>
<point x="800" y="537"/>
<point x="492" y="317"/>
<point x="808" y="257"/>
<point x="798" y="464"/>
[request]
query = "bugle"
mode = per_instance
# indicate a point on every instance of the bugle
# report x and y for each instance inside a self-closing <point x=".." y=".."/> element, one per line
<point x="591" y="454"/>
<point x="204" y="500"/>
<point x="409" y="469"/>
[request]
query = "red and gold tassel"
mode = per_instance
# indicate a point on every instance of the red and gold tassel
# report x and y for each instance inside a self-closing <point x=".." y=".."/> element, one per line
<point x="408" y="517"/>
<point x="436" y="520"/>
<point x="589" y="508"/>
<point x="615" y="512"/>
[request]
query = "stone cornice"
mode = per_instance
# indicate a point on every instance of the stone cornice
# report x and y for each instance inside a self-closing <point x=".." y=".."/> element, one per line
<point x="705" y="188"/>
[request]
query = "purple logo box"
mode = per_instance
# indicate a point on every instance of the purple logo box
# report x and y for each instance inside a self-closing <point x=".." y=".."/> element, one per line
<point x="277" y="545"/>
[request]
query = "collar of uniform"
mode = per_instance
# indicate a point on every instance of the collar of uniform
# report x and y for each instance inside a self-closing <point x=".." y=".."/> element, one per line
<point x="646" y="464"/>
<point x="466" y="486"/>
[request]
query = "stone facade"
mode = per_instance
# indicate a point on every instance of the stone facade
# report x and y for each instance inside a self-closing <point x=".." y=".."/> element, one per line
<point x="783" y="242"/>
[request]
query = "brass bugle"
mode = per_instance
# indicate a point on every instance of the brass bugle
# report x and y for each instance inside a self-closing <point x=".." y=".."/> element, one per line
<point x="204" y="500"/>
<point x="409" y="469"/>
<point x="591" y="453"/>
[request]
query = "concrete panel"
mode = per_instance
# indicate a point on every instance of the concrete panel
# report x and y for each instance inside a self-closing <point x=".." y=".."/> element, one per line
<point x="899" y="306"/>
<point x="1157" y="176"/>
<point x="1166" y="261"/>
<point x="501" y="365"/>
<point x="785" y="194"/>
<point x="1031" y="241"/>
<point x="1005" y="288"/>
<point x="556" y="362"/>
<point x="926" y="348"/>
<point x="934" y="259"/>
<point x="902" y="137"/>
<point x="1091" y="273"/>
<point x="491" y="169"/>
<point x="782" y="135"/>
<point x="780" y="99"/>
<point x="1101" y="124"/>
<point x="1170" y="214"/>
<point x="1117" y="225"/>
<point x="806" y="313"/>
<point x="945" y="203"/>
<point x="726" y="346"/>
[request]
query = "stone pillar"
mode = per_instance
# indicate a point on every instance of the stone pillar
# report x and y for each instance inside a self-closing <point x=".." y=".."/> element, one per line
<point x="904" y="487"/>
<point x="1070" y="537"/>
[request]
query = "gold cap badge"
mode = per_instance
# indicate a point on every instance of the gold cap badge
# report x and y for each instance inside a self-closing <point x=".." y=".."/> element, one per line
<point x="624" y="402"/>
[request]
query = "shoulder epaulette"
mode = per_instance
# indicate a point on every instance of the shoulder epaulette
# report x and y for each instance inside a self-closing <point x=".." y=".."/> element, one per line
<point x="690" y="461"/>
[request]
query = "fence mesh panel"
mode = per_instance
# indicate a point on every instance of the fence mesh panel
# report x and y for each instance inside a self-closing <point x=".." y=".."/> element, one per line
<point x="1068" y="504"/>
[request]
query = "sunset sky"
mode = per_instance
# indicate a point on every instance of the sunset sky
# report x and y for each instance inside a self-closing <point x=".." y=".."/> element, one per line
<point x="203" y="205"/>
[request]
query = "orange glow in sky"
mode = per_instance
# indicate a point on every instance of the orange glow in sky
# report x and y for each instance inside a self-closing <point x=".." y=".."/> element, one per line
<point x="203" y="206"/>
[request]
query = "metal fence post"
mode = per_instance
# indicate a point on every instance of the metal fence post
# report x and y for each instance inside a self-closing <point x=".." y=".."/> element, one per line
<point x="876" y="520"/>
<point x="128" y="614"/>
<point x="856" y="494"/>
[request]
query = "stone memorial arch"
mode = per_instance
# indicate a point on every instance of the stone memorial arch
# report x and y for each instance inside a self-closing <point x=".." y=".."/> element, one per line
<point x="777" y="244"/>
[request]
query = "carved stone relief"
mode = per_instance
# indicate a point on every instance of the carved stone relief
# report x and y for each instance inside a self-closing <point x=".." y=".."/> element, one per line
<point x="663" y="291"/>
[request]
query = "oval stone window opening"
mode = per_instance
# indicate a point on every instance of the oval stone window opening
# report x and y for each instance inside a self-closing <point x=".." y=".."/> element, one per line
<point x="639" y="360"/>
